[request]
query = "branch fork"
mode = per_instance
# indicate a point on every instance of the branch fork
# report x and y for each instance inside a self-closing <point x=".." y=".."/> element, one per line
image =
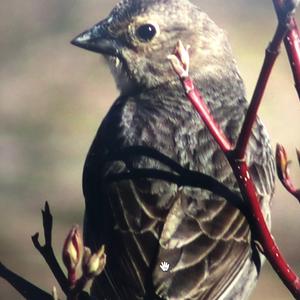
<point x="286" y="30"/>
<point x="75" y="256"/>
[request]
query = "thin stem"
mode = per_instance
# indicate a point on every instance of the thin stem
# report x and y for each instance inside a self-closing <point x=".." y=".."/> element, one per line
<point x="270" y="249"/>
<point x="291" y="41"/>
<point x="47" y="251"/>
<point x="197" y="100"/>
<point x="270" y="57"/>
<point x="24" y="287"/>
<point x="186" y="178"/>
<point x="72" y="278"/>
<point x="79" y="287"/>
<point x="292" y="45"/>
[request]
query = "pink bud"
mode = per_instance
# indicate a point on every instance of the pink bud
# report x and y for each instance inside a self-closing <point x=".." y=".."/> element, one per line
<point x="180" y="60"/>
<point x="93" y="264"/>
<point x="72" y="249"/>
<point x="183" y="55"/>
<point x="282" y="163"/>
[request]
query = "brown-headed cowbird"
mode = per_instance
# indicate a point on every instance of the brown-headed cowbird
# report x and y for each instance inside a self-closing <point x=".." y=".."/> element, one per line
<point x="163" y="240"/>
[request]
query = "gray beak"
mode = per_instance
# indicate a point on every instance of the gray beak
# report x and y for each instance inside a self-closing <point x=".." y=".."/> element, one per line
<point x="97" y="39"/>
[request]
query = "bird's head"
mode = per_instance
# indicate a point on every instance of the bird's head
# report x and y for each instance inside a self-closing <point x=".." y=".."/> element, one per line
<point x="138" y="35"/>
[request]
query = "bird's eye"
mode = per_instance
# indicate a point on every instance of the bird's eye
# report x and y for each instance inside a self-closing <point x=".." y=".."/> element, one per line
<point x="146" y="32"/>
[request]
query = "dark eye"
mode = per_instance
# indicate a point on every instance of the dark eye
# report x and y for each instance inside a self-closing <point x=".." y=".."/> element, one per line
<point x="146" y="32"/>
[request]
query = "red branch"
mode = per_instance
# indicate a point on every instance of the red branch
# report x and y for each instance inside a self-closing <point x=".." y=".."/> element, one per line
<point x="270" y="58"/>
<point x="292" y="43"/>
<point x="180" y="62"/>
<point x="197" y="100"/>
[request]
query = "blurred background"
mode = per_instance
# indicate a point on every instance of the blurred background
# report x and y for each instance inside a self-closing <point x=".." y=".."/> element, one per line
<point x="53" y="97"/>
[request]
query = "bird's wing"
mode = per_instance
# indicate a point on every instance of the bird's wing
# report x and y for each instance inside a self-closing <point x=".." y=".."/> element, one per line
<point x="206" y="242"/>
<point x="203" y="238"/>
<point x="133" y="213"/>
<point x="144" y="222"/>
<point x="261" y="161"/>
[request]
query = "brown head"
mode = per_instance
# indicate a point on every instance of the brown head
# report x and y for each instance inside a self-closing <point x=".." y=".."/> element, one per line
<point x="138" y="35"/>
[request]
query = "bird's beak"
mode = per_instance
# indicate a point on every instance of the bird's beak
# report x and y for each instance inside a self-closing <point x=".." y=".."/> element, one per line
<point x="97" y="39"/>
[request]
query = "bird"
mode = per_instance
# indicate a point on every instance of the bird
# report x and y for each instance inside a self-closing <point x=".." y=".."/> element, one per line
<point x="166" y="240"/>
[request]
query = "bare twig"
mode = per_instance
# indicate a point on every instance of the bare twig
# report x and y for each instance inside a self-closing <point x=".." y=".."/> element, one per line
<point x="47" y="251"/>
<point x="181" y="54"/>
<point x="24" y="287"/>
<point x="287" y="29"/>
<point x="92" y="266"/>
<point x="292" y="39"/>
<point x="270" y="58"/>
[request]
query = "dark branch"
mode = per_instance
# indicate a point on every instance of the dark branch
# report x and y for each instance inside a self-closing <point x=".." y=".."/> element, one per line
<point x="189" y="178"/>
<point x="47" y="251"/>
<point x="24" y="287"/>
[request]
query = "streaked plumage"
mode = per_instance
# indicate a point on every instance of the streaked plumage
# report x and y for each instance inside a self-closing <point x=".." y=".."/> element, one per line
<point x="146" y="221"/>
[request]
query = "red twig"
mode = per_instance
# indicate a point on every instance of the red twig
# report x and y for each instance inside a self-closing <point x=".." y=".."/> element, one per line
<point x="292" y="43"/>
<point x="248" y="191"/>
<point x="180" y="62"/>
<point x="270" y="249"/>
<point x="205" y="114"/>
<point x="287" y="29"/>
<point x="270" y="58"/>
